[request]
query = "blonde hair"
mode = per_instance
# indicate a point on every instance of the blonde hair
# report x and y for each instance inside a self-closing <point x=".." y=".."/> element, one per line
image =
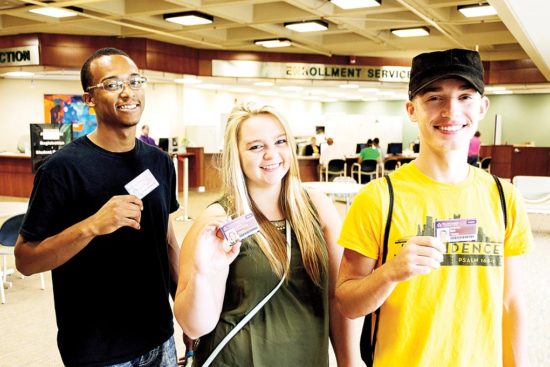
<point x="293" y="200"/>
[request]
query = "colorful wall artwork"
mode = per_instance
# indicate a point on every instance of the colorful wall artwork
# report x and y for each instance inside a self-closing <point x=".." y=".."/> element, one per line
<point x="69" y="109"/>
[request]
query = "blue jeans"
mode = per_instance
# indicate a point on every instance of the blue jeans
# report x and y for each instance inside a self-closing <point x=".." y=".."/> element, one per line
<point x="162" y="356"/>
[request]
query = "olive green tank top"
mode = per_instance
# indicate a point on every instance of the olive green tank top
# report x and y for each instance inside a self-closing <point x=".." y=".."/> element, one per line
<point x="292" y="329"/>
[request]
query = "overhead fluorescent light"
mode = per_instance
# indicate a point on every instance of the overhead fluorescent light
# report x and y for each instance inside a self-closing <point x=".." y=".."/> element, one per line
<point x="18" y="74"/>
<point x="477" y="10"/>
<point x="54" y="12"/>
<point x="188" y="80"/>
<point x="356" y="4"/>
<point x="188" y="18"/>
<point x="274" y="42"/>
<point x="506" y="91"/>
<point x="307" y="26"/>
<point x="411" y="32"/>
<point x="264" y="84"/>
<point x="291" y="88"/>
<point x="349" y="86"/>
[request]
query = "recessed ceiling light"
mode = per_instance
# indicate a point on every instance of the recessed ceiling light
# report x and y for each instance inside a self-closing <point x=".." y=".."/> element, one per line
<point x="368" y="90"/>
<point x="355" y="4"/>
<point x="307" y="26"/>
<point x="274" y="42"/>
<point x="188" y="18"/>
<point x="411" y="32"/>
<point x="18" y="74"/>
<point x="291" y="88"/>
<point x="264" y="84"/>
<point x="349" y="86"/>
<point x="188" y="80"/>
<point x="54" y="12"/>
<point x="477" y="10"/>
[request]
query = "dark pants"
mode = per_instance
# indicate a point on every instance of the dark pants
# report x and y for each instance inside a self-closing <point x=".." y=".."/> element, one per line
<point x="473" y="159"/>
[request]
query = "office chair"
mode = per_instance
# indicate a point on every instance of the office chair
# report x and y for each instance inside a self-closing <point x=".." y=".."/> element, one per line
<point x="485" y="164"/>
<point x="368" y="167"/>
<point x="8" y="236"/>
<point x="390" y="166"/>
<point x="335" y="167"/>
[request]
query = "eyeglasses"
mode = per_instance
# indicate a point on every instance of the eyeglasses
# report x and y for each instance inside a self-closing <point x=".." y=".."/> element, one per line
<point x="116" y="85"/>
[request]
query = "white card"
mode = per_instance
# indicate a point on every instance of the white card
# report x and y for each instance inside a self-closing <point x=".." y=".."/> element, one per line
<point x="143" y="184"/>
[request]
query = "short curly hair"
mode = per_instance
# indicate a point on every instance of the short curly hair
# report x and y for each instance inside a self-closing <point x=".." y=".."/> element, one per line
<point x="85" y="76"/>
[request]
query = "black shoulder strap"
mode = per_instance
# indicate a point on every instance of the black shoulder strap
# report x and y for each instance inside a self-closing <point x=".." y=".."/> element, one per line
<point x="367" y="343"/>
<point x="502" y="200"/>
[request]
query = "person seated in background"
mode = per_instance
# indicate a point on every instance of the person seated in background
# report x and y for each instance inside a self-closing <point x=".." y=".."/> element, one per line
<point x="376" y="145"/>
<point x="312" y="148"/>
<point x="370" y="152"/>
<point x="144" y="137"/>
<point x="222" y="284"/>
<point x="473" y="150"/>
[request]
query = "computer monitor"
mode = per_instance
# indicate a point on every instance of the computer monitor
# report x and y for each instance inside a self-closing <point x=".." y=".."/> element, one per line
<point x="164" y="144"/>
<point x="360" y="147"/>
<point x="395" y="148"/>
<point x="416" y="148"/>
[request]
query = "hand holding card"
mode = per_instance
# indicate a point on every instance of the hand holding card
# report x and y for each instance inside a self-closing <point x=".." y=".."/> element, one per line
<point x="240" y="228"/>
<point x="142" y="185"/>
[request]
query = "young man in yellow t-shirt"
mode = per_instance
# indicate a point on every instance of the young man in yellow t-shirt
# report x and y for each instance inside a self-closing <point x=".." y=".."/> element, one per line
<point x="453" y="300"/>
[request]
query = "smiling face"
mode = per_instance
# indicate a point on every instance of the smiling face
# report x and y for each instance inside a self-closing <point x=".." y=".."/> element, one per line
<point x="447" y="113"/>
<point x="264" y="151"/>
<point x="122" y="108"/>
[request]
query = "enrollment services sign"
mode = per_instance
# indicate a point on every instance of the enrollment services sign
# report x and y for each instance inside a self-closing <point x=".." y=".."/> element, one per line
<point x="279" y="70"/>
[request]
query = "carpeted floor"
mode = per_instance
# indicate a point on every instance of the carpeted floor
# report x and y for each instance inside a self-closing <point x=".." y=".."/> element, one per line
<point x="28" y="329"/>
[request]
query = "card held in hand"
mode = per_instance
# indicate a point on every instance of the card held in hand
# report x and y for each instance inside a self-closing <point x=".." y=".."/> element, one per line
<point x="456" y="230"/>
<point x="142" y="185"/>
<point x="240" y="228"/>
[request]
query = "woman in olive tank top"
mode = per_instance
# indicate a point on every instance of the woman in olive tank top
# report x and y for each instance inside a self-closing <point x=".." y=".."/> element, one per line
<point x="220" y="284"/>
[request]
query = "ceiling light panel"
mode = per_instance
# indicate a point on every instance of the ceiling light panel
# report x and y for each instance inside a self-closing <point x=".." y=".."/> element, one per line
<point x="356" y="4"/>
<point x="308" y="26"/>
<point x="411" y="32"/>
<point x="189" y="18"/>
<point x="54" y="12"/>
<point x="273" y="42"/>
<point x="477" y="10"/>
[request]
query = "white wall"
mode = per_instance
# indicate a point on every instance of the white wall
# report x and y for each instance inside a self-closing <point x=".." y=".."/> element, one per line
<point x="22" y="103"/>
<point x="205" y="113"/>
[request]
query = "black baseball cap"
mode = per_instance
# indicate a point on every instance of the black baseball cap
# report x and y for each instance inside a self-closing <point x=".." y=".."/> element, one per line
<point x="433" y="66"/>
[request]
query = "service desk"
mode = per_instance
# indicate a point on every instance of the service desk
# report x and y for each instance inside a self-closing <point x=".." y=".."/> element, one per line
<point x="16" y="175"/>
<point x="508" y="161"/>
<point x="308" y="166"/>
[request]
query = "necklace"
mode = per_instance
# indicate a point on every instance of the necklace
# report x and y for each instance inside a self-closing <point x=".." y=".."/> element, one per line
<point x="279" y="224"/>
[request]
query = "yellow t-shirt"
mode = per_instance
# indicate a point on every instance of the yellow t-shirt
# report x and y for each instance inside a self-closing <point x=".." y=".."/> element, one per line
<point x="452" y="316"/>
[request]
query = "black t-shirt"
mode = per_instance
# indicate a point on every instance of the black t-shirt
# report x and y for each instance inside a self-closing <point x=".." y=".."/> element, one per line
<point x="112" y="298"/>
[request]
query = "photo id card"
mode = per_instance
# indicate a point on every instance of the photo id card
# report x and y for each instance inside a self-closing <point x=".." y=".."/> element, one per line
<point x="456" y="230"/>
<point x="240" y="228"/>
<point x="142" y="185"/>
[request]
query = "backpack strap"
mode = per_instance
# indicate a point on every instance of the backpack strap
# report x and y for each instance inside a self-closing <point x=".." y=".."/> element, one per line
<point x="367" y="343"/>
<point x="502" y="200"/>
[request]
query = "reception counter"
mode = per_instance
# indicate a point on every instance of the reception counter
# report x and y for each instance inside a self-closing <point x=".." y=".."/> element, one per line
<point x="16" y="175"/>
<point x="508" y="161"/>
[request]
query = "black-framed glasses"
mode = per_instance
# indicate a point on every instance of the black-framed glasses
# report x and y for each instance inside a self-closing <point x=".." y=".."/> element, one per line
<point x="116" y="85"/>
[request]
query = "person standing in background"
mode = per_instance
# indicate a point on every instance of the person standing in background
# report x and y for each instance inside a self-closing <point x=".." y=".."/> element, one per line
<point x="144" y="137"/>
<point x="329" y="151"/>
<point x="473" y="150"/>
<point x="220" y="285"/>
<point x="113" y="255"/>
